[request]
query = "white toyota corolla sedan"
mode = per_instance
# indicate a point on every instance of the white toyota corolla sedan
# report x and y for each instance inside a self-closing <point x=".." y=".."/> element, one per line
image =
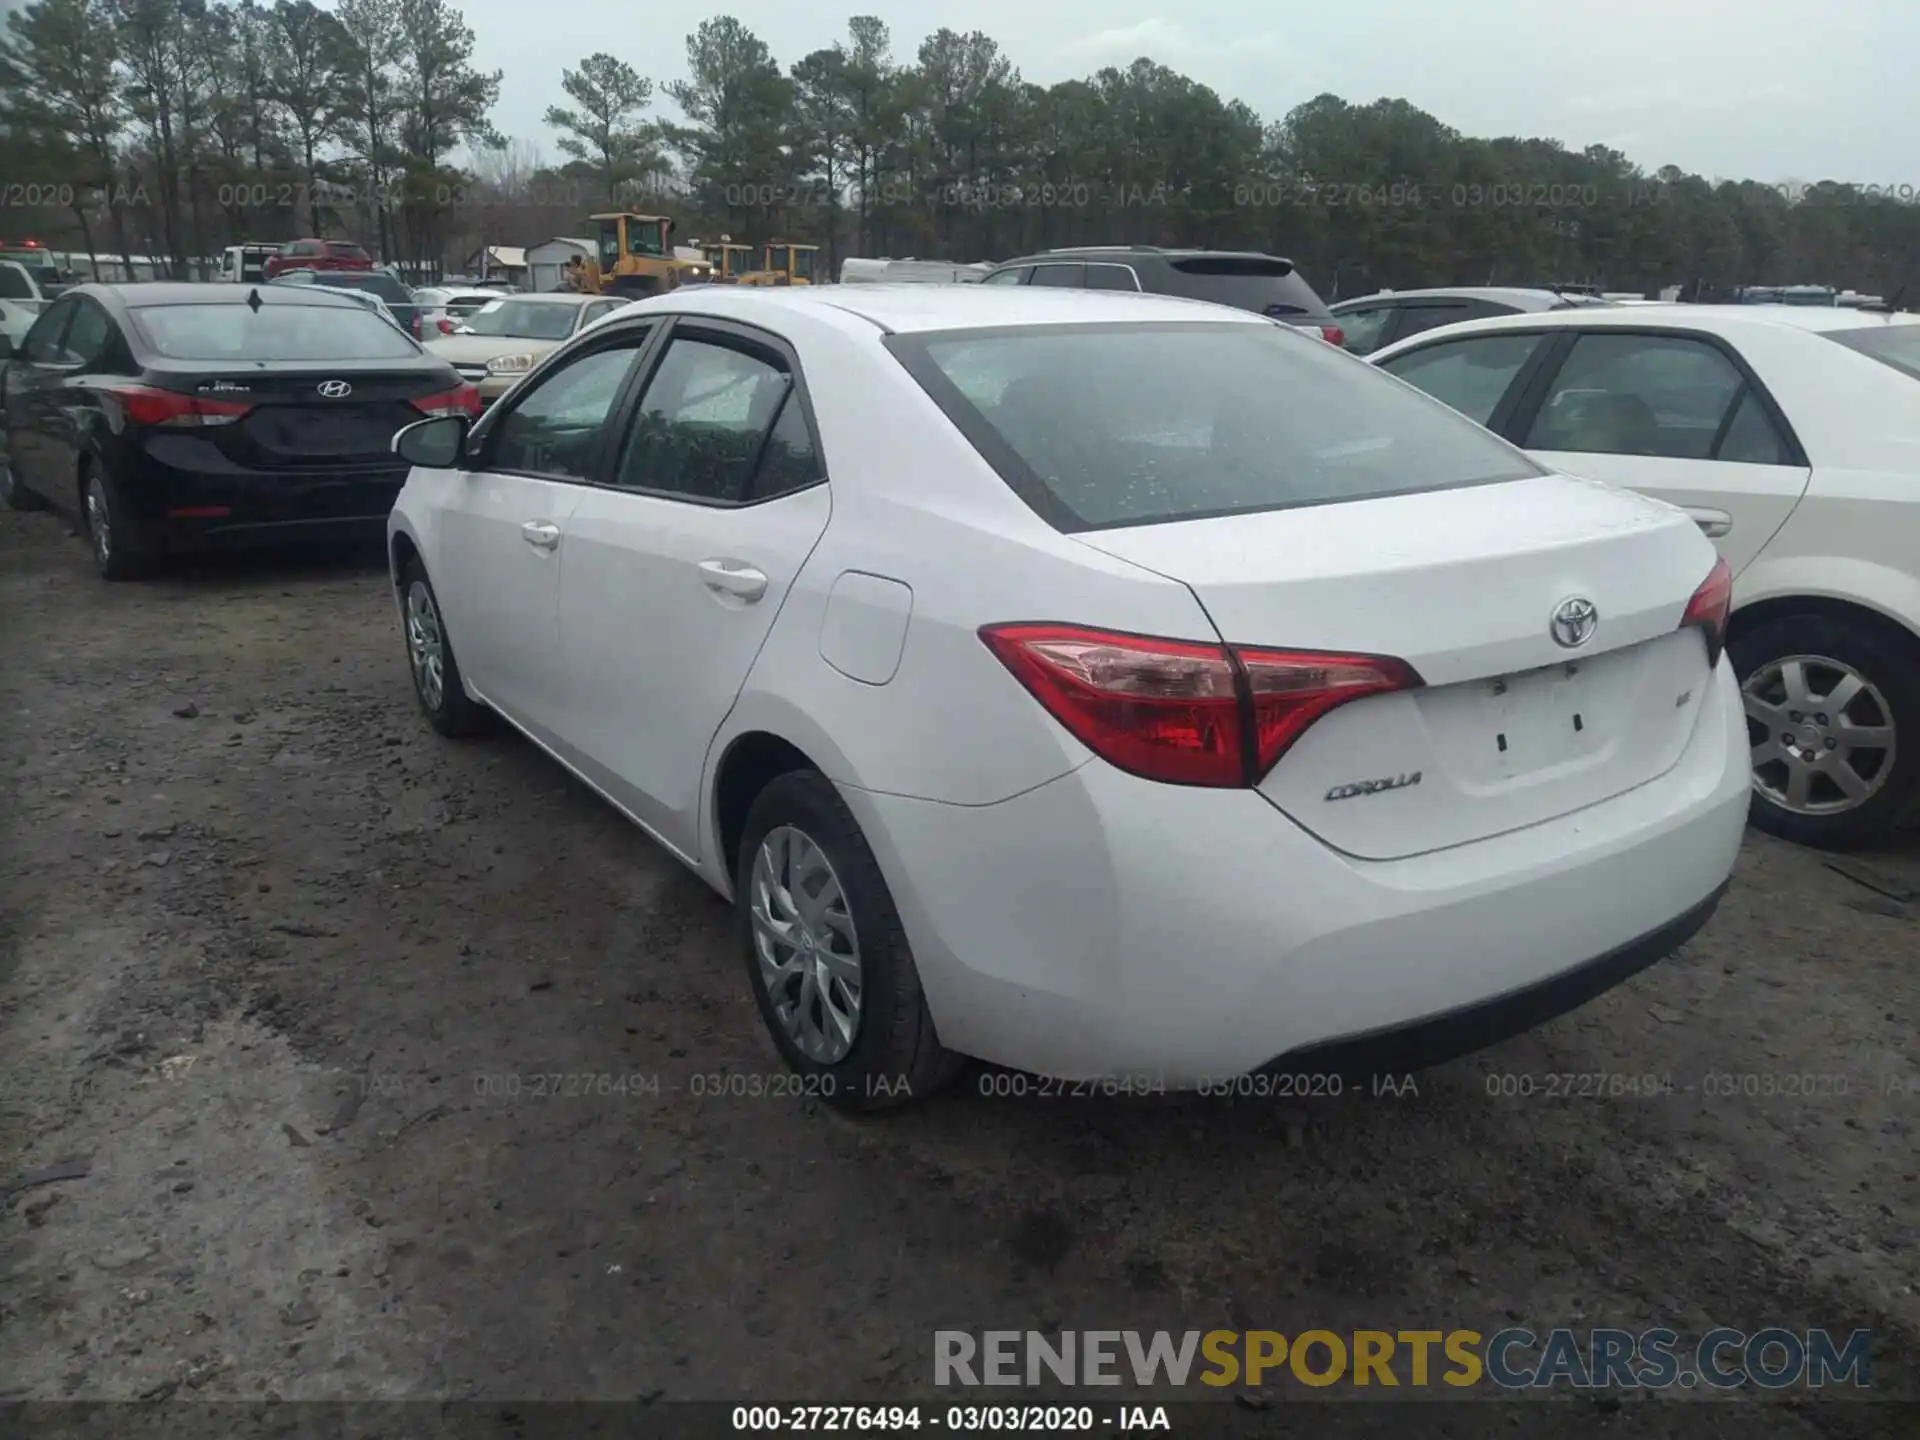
<point x="1792" y="436"/>
<point x="1112" y="687"/>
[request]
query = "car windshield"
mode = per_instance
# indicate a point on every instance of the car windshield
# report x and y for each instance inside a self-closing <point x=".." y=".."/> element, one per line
<point x="1895" y="345"/>
<point x="273" y="332"/>
<point x="525" y="319"/>
<point x="16" y="283"/>
<point x="1108" y="425"/>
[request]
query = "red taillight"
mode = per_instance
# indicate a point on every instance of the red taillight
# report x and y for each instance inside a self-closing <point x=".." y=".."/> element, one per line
<point x="446" y="325"/>
<point x="1709" y="608"/>
<point x="1183" y="711"/>
<point x="1293" y="688"/>
<point x="1333" y="334"/>
<point x="143" y="405"/>
<point x="463" y="400"/>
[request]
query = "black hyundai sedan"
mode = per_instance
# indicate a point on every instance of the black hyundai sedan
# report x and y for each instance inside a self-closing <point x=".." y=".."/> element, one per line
<point x="169" y="417"/>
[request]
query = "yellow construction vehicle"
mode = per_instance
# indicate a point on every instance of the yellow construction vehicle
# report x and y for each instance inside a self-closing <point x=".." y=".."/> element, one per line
<point x="635" y="255"/>
<point x="727" y="260"/>
<point x="783" y="263"/>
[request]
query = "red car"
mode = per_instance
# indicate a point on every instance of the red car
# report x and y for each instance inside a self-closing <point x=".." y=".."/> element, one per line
<point x="317" y="255"/>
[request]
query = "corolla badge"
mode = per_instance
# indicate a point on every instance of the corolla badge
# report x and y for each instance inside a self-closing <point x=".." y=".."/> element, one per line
<point x="334" y="389"/>
<point x="1574" y="622"/>
<point x="1373" y="787"/>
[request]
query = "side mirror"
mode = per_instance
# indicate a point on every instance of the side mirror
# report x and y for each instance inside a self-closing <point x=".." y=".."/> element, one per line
<point x="435" y="443"/>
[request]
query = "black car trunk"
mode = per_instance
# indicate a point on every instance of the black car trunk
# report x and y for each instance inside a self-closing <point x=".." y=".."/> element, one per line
<point x="312" y="415"/>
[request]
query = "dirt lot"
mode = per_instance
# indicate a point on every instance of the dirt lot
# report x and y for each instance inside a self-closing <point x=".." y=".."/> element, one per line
<point x="281" y="967"/>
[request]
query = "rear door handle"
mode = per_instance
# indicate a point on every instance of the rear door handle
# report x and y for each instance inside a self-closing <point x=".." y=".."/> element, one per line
<point x="541" y="534"/>
<point x="730" y="577"/>
<point x="1713" y="523"/>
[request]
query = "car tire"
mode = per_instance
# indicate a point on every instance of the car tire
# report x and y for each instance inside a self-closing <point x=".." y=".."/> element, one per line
<point x="13" y="494"/>
<point x="121" y="549"/>
<point x="435" y="673"/>
<point x="894" y="1055"/>
<point x="1788" y="669"/>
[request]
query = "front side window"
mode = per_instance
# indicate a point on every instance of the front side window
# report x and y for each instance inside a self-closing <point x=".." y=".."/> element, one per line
<point x="1015" y="276"/>
<point x="1470" y="375"/>
<point x="1131" y="424"/>
<point x="42" y="345"/>
<point x="553" y="428"/>
<point x="1662" y="395"/>
<point x="1111" y="277"/>
<point x="704" y="422"/>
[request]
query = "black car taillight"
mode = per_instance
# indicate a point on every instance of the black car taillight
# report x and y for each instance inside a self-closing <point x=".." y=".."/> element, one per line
<point x="144" y="405"/>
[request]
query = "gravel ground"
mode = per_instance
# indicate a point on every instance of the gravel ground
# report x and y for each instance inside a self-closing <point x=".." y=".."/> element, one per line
<point x="280" y="968"/>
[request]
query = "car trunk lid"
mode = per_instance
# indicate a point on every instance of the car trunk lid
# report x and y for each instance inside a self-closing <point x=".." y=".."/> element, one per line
<point x="314" y="416"/>
<point x="1511" y="727"/>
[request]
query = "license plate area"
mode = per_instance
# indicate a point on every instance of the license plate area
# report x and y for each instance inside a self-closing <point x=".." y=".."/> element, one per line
<point x="300" y="432"/>
<point x="1541" y="719"/>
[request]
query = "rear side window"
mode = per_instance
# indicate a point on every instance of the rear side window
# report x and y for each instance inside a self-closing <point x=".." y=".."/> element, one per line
<point x="1470" y="375"/>
<point x="1065" y="277"/>
<point x="1895" y="345"/>
<point x="274" y="332"/>
<point x="1097" y="426"/>
<point x="1246" y="282"/>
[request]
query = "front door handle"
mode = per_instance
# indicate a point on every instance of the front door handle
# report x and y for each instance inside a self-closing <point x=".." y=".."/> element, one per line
<point x="541" y="534"/>
<point x="1713" y="523"/>
<point x="730" y="577"/>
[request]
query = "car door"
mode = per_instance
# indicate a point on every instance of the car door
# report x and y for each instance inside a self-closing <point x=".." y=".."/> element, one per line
<point x="677" y="567"/>
<point x="1481" y="376"/>
<point x="39" y="428"/>
<point x="67" y="399"/>
<point x="1676" y="416"/>
<point x="501" y="523"/>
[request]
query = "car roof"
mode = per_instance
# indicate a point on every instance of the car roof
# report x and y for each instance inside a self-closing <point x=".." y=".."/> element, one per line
<point x="906" y="308"/>
<point x="1727" y="320"/>
<point x="1071" y="253"/>
<point x="144" y="293"/>
<point x="1511" y="294"/>
<point x="550" y="297"/>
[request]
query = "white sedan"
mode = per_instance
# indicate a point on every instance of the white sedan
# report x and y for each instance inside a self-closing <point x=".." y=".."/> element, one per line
<point x="1117" y="688"/>
<point x="1792" y="436"/>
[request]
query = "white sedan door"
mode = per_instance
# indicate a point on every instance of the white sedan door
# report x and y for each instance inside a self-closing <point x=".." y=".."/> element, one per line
<point x="677" y="567"/>
<point x="1673" y="417"/>
<point x="501" y="526"/>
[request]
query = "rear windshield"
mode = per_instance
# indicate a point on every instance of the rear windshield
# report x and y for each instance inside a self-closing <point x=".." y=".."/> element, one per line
<point x="525" y="319"/>
<point x="385" y="286"/>
<point x="274" y="332"/>
<point x="1124" y="424"/>
<point x="1246" y="282"/>
<point x="1895" y="345"/>
<point x="346" y="252"/>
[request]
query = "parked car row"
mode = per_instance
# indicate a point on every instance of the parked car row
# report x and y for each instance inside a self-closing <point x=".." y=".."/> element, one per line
<point x="1407" y="692"/>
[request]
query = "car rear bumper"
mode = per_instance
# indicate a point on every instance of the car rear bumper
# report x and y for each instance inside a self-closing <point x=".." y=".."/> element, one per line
<point x="184" y="510"/>
<point x="1102" y="925"/>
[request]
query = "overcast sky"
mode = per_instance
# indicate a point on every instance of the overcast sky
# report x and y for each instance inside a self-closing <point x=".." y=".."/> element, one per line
<point x="1764" y="89"/>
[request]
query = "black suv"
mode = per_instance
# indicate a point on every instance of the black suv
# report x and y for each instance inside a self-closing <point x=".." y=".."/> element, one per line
<point x="1244" y="279"/>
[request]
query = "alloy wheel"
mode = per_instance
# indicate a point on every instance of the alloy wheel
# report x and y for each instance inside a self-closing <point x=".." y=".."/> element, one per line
<point x="1821" y="734"/>
<point x="99" y="524"/>
<point x="426" y="645"/>
<point x="806" y="945"/>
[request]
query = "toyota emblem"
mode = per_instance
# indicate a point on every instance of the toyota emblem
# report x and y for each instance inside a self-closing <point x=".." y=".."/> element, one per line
<point x="1574" y="622"/>
<point x="335" y="389"/>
